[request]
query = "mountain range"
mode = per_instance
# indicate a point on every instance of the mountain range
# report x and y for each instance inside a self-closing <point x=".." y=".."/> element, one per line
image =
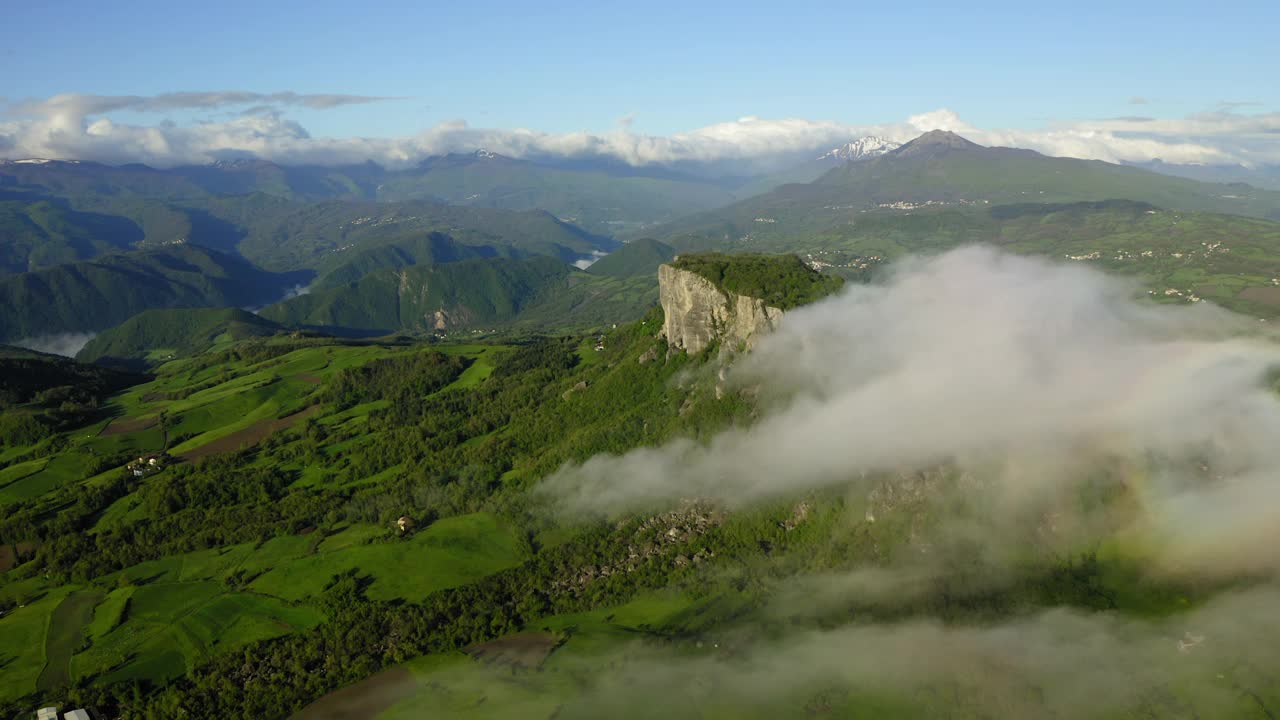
<point x="70" y="229"/>
<point x="943" y="170"/>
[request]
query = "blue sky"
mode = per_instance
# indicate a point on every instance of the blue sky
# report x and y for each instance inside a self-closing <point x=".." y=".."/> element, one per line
<point x="672" y="66"/>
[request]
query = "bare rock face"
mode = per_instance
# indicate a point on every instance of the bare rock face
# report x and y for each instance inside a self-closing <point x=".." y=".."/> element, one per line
<point x="697" y="312"/>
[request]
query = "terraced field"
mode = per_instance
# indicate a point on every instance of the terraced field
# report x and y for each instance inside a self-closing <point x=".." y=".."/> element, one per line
<point x="155" y="620"/>
<point x="170" y="627"/>
<point x="66" y="632"/>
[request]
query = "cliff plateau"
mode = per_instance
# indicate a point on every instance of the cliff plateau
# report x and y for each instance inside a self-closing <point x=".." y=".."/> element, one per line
<point x="696" y="312"/>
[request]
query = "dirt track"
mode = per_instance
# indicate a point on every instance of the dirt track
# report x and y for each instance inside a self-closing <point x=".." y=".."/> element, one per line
<point x="120" y="427"/>
<point x="525" y="650"/>
<point x="362" y="700"/>
<point x="251" y="435"/>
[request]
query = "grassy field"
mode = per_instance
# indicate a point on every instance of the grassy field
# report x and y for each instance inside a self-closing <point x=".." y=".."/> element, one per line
<point x="22" y="644"/>
<point x="170" y="626"/>
<point x="110" y="612"/>
<point x="484" y="358"/>
<point x="166" y="615"/>
<point x="66" y="631"/>
<point x="451" y="552"/>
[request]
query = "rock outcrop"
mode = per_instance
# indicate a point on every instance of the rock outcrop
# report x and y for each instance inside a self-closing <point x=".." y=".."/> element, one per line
<point x="696" y="313"/>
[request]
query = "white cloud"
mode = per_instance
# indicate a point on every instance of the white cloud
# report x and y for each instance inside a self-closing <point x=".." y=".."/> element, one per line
<point x="78" y="127"/>
<point x="588" y="261"/>
<point x="1030" y="371"/>
<point x="65" y="344"/>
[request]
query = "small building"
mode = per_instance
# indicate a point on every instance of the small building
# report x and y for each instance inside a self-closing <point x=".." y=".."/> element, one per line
<point x="80" y="714"/>
<point x="147" y="464"/>
<point x="48" y="713"/>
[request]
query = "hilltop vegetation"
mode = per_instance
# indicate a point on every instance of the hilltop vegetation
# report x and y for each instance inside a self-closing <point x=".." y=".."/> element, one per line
<point x="781" y="281"/>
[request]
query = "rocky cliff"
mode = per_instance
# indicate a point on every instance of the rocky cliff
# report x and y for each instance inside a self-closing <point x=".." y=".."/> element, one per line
<point x="697" y="312"/>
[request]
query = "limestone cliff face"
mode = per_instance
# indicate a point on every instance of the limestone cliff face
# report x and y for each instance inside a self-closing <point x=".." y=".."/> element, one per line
<point x="697" y="312"/>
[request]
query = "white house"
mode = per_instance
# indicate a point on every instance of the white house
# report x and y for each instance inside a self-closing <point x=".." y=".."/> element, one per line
<point x="76" y="715"/>
<point x="49" y="713"/>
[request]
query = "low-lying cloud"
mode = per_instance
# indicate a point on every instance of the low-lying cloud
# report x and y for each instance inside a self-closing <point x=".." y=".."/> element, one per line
<point x="65" y="344"/>
<point x="1215" y="661"/>
<point x="78" y="127"/>
<point x="1031" y="372"/>
<point x="1014" y="384"/>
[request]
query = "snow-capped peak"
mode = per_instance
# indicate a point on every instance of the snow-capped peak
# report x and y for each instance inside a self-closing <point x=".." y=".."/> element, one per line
<point x="483" y="154"/>
<point x="861" y="149"/>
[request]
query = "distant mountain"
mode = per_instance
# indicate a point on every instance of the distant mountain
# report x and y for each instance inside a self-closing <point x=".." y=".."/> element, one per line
<point x="861" y="149"/>
<point x="94" y="295"/>
<point x="426" y="249"/>
<point x="178" y="331"/>
<point x="941" y="169"/>
<point x="425" y="297"/>
<point x="35" y="235"/>
<point x="482" y="294"/>
<point x="601" y="198"/>
<point x="285" y="235"/>
<point x="638" y="257"/>
<point x="605" y="198"/>
<point x="296" y="182"/>
<point x="1266" y="177"/>
<point x="815" y="167"/>
<point x="84" y="179"/>
<point x="281" y="235"/>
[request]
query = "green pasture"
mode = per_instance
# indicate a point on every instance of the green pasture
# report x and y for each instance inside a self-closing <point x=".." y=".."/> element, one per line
<point x="450" y="552"/>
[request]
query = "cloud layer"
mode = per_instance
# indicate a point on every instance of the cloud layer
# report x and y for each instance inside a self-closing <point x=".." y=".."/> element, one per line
<point x="1210" y="662"/>
<point x="1030" y="373"/>
<point x="78" y="127"/>
<point x="1024" y="387"/>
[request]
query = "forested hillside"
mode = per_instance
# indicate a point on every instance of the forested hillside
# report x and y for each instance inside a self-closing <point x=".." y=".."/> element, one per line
<point x="97" y="294"/>
<point x="484" y="294"/>
<point x="156" y="335"/>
